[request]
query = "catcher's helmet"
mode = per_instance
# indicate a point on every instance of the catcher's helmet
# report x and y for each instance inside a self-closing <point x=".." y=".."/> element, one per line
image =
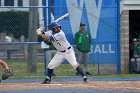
<point x="53" y="25"/>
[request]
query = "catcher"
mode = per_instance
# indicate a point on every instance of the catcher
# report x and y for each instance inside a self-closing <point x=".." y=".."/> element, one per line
<point x="8" y="72"/>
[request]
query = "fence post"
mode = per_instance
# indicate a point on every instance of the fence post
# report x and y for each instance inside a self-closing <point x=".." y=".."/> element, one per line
<point x="45" y="25"/>
<point x="33" y="25"/>
<point x="118" y="38"/>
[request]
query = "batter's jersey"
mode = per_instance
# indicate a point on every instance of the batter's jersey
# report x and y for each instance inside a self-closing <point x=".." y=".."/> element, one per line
<point x="60" y="41"/>
<point x="48" y="32"/>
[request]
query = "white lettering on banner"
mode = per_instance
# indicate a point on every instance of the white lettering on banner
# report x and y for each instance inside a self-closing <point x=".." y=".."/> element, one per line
<point x="110" y="49"/>
<point x="93" y="14"/>
<point x="104" y="49"/>
<point x="97" y="49"/>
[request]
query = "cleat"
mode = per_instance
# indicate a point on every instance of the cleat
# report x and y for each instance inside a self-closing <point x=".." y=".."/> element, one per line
<point x="46" y="81"/>
<point x="77" y="74"/>
<point x="85" y="80"/>
<point x="88" y="74"/>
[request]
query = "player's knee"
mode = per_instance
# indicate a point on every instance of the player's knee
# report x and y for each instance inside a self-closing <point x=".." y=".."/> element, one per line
<point x="50" y="66"/>
<point x="75" y="65"/>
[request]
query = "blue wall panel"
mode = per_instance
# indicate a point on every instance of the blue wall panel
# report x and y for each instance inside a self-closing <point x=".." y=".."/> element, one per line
<point x="101" y="19"/>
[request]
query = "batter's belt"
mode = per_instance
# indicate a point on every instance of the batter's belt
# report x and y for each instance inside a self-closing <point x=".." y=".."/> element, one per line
<point x="65" y="50"/>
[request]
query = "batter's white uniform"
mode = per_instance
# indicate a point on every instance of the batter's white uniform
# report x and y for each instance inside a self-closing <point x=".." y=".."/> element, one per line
<point x="65" y="50"/>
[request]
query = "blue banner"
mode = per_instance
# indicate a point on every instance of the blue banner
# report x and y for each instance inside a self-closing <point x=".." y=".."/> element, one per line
<point x="100" y="17"/>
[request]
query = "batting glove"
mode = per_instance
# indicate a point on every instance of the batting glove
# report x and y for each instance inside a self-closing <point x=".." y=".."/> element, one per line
<point x="38" y="32"/>
<point x="42" y="29"/>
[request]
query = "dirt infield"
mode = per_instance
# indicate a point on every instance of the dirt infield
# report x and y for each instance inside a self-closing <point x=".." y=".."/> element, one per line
<point x="93" y="85"/>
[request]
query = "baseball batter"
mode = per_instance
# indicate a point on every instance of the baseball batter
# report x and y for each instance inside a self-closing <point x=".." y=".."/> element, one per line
<point x="65" y="51"/>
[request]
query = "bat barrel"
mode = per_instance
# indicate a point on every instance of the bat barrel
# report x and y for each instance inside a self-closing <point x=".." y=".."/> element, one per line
<point x="62" y="17"/>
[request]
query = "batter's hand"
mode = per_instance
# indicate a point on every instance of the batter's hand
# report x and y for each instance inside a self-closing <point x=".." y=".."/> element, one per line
<point x="40" y="31"/>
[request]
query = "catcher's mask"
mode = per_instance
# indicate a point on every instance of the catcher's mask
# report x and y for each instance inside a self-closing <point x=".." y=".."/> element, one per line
<point x="54" y="25"/>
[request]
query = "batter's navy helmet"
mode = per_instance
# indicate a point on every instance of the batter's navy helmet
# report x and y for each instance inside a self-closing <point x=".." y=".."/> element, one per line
<point x="54" y="25"/>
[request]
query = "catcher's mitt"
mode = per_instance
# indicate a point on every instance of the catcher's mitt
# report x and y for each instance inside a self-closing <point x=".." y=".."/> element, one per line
<point x="7" y="73"/>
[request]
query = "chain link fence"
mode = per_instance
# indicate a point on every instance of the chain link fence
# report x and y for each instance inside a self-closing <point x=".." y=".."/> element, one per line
<point x="19" y="46"/>
<point x="19" y="20"/>
<point x="16" y="55"/>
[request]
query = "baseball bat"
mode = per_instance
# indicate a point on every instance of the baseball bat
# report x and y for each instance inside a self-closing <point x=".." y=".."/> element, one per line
<point x="62" y="17"/>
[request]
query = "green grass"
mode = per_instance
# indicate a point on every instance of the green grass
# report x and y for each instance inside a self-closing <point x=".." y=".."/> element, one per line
<point x="119" y="76"/>
<point x="21" y="71"/>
